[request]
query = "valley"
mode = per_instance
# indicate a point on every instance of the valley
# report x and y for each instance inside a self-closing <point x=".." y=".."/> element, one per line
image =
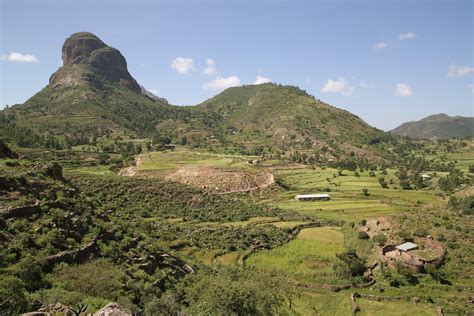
<point x="261" y="200"/>
<point x="266" y="228"/>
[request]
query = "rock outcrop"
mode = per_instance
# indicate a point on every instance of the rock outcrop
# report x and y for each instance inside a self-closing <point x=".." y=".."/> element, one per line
<point x="113" y="309"/>
<point x="87" y="59"/>
<point x="6" y="152"/>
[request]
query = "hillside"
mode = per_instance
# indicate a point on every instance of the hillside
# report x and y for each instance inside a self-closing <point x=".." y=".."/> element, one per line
<point x="92" y="94"/>
<point x="287" y="118"/>
<point x="439" y="126"/>
<point x="122" y="235"/>
<point x="93" y="97"/>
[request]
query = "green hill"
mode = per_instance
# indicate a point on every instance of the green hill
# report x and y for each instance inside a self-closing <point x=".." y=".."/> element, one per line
<point x="287" y="118"/>
<point x="93" y="97"/>
<point x="439" y="126"/>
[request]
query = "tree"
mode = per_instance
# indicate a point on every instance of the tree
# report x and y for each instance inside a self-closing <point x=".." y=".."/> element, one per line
<point x="365" y="192"/>
<point x="236" y="291"/>
<point x="350" y="264"/>
<point x="383" y="183"/>
<point x="161" y="139"/>
<point x="12" y="295"/>
<point x="403" y="177"/>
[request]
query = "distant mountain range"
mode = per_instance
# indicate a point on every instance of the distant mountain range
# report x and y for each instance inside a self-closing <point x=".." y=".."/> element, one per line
<point x="439" y="126"/>
<point x="93" y="94"/>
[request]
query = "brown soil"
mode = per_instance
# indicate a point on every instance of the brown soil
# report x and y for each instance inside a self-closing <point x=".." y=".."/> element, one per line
<point x="377" y="226"/>
<point x="222" y="180"/>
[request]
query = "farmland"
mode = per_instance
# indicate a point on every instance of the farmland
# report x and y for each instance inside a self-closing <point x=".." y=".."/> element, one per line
<point x="268" y="230"/>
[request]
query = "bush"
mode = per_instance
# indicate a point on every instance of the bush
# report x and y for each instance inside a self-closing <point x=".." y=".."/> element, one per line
<point x="350" y="264"/>
<point x="12" y="163"/>
<point x="363" y="235"/>
<point x="380" y="239"/>
<point x="420" y="232"/>
<point x="236" y="291"/>
<point x="12" y="295"/>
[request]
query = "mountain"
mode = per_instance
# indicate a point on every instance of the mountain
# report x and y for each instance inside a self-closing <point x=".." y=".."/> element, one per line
<point x="93" y="97"/>
<point x="92" y="94"/>
<point x="285" y="118"/>
<point x="151" y="95"/>
<point x="439" y="126"/>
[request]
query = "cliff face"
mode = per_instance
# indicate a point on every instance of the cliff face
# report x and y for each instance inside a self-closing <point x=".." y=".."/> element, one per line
<point x="87" y="59"/>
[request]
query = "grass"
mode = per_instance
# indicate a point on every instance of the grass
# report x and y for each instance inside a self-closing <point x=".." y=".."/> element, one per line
<point x="347" y="201"/>
<point x="231" y="258"/>
<point x="171" y="160"/>
<point x="253" y="220"/>
<point x="399" y="308"/>
<point x="306" y="258"/>
<point x="289" y="224"/>
<point x="95" y="170"/>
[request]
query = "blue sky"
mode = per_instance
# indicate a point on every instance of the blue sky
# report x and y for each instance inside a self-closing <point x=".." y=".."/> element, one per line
<point x="385" y="61"/>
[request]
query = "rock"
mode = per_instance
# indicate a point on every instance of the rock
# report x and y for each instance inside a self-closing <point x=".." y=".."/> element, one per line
<point x="87" y="59"/>
<point x="415" y="300"/>
<point x="152" y="95"/>
<point x="79" y="46"/>
<point x="113" y="309"/>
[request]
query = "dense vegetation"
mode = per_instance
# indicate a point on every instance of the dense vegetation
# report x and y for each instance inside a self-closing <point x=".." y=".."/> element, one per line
<point x="440" y="126"/>
<point x="124" y="237"/>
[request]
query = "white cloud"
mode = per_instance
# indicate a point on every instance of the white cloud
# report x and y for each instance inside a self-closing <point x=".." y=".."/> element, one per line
<point x="455" y="71"/>
<point x="20" y="58"/>
<point x="366" y="84"/>
<point x="403" y="90"/>
<point x="406" y="36"/>
<point x="183" y="65"/>
<point x="380" y="45"/>
<point x="471" y="86"/>
<point x="340" y="85"/>
<point x="261" y="79"/>
<point x="210" y="69"/>
<point x="222" y="83"/>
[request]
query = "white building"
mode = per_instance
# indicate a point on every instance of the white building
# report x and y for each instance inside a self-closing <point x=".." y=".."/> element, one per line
<point x="312" y="197"/>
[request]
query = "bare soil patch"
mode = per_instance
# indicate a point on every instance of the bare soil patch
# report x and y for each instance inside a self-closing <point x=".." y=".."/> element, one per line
<point x="222" y="180"/>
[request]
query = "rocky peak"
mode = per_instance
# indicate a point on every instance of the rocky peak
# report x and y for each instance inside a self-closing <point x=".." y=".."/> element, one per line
<point x="87" y="59"/>
<point x="78" y="47"/>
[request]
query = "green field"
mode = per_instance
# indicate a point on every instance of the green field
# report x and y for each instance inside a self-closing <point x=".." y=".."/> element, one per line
<point x="170" y="160"/>
<point x="307" y="258"/>
<point x="347" y="201"/>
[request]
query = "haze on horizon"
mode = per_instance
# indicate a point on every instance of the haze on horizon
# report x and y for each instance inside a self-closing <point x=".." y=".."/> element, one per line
<point x="387" y="62"/>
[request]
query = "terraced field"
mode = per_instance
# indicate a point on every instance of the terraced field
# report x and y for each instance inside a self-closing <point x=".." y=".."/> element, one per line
<point x="307" y="258"/>
<point x="347" y="199"/>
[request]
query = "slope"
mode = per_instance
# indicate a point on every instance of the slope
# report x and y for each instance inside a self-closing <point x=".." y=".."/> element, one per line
<point x="439" y="126"/>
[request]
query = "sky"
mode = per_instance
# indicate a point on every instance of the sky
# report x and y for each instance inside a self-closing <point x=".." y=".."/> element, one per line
<point x="386" y="61"/>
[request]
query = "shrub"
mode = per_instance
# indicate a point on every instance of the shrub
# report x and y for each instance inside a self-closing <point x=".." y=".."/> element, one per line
<point x="420" y="232"/>
<point x="380" y="239"/>
<point x="12" y="163"/>
<point x="363" y="235"/>
<point x="350" y="264"/>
